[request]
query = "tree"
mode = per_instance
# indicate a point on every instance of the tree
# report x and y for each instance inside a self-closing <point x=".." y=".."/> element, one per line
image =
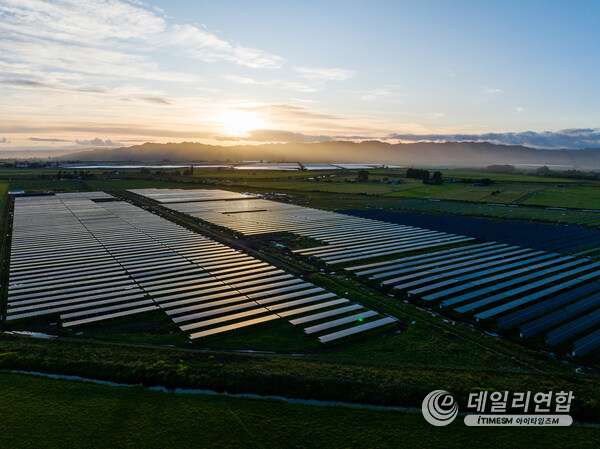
<point x="416" y="173"/>
<point x="363" y="176"/>
<point x="437" y="178"/>
<point x="543" y="171"/>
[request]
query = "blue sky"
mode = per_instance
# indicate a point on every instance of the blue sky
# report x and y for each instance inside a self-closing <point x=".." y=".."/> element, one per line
<point x="93" y="73"/>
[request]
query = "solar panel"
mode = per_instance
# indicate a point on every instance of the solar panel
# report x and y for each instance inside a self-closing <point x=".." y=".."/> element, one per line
<point x="230" y="327"/>
<point x="298" y="302"/>
<point x="231" y="317"/>
<point x="321" y="315"/>
<point x="559" y="316"/>
<point x="109" y="316"/>
<point x="587" y="343"/>
<point x="355" y="330"/>
<point x="339" y="322"/>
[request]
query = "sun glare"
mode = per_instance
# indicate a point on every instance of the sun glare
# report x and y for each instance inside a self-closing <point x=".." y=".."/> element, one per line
<point x="238" y="122"/>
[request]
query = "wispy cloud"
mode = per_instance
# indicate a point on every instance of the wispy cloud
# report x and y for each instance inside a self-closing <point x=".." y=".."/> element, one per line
<point x="154" y="100"/>
<point x="97" y="142"/>
<point x="383" y="93"/>
<point x="94" y="24"/>
<point x="206" y="46"/>
<point x="435" y="115"/>
<point x="279" y="84"/>
<point x="488" y="94"/>
<point x="33" y="84"/>
<point x="375" y="94"/>
<point x="491" y="90"/>
<point x="270" y="135"/>
<point x="321" y="74"/>
<point x="41" y="139"/>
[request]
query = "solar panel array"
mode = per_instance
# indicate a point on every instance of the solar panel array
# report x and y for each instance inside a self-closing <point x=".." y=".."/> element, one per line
<point x="349" y="238"/>
<point x="558" y="237"/>
<point x="538" y="290"/>
<point x="182" y="195"/>
<point x="93" y="261"/>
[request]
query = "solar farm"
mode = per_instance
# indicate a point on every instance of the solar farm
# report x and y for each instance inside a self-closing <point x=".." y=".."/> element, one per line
<point x="277" y="293"/>
<point x="548" y="298"/>
<point x="86" y="258"/>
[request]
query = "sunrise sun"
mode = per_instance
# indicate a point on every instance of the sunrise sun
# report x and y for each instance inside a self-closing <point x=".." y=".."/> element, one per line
<point x="238" y="121"/>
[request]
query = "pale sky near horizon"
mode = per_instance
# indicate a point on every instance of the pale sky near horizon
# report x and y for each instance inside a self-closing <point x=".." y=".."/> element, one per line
<point x="83" y="73"/>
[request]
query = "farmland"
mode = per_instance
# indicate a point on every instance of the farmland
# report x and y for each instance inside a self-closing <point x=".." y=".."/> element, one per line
<point x="130" y="417"/>
<point x="202" y="224"/>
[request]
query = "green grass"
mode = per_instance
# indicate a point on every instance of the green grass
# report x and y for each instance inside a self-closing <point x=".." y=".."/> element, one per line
<point x="3" y="191"/>
<point x="497" y="193"/>
<point x="584" y="197"/>
<point x="47" y="413"/>
<point x="516" y="177"/>
<point x="150" y="328"/>
<point x="260" y="174"/>
<point x="42" y="185"/>
<point x="125" y="184"/>
<point x="279" y="335"/>
<point x="369" y="188"/>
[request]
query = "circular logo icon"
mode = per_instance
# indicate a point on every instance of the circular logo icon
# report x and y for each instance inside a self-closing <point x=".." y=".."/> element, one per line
<point x="439" y="408"/>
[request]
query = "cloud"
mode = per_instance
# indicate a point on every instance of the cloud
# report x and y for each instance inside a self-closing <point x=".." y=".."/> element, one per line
<point x="491" y="90"/>
<point x="40" y="139"/>
<point x="290" y="111"/>
<point x="319" y="74"/>
<point x="375" y="94"/>
<point x="379" y="94"/>
<point x="155" y="100"/>
<point x="519" y="109"/>
<point x="98" y="143"/>
<point x="489" y="94"/>
<point x="104" y="37"/>
<point x="206" y="46"/>
<point x="32" y="84"/>
<point x="270" y="135"/>
<point x="579" y="138"/>
<point x="144" y="131"/>
<point x="279" y="84"/>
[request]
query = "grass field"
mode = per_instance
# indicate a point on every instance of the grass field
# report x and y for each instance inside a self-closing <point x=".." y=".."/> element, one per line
<point x="30" y="185"/>
<point x="3" y="190"/>
<point x="48" y="413"/>
<point x="498" y="193"/>
<point x="524" y="189"/>
<point x="584" y="197"/>
<point x="124" y="184"/>
<point x="431" y="352"/>
<point x="510" y="177"/>
<point x="334" y="187"/>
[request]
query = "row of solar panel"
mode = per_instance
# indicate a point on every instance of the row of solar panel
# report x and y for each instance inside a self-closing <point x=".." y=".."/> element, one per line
<point x="490" y="280"/>
<point x="157" y="263"/>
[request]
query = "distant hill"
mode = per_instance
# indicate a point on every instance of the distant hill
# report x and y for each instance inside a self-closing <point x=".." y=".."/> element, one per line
<point x="466" y="154"/>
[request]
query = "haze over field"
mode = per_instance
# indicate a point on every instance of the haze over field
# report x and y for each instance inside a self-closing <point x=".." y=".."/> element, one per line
<point x="432" y="154"/>
<point x="89" y="74"/>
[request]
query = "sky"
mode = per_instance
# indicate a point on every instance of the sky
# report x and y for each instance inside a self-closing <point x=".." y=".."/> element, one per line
<point x="91" y="73"/>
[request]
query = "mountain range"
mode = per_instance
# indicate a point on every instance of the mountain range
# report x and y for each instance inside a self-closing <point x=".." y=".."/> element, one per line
<point x="451" y="154"/>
